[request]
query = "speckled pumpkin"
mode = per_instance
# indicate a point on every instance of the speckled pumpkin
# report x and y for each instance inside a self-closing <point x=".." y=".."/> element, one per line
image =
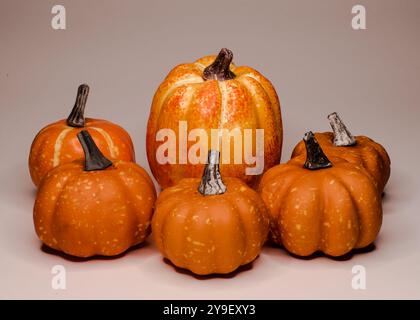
<point x="94" y="208"/>
<point x="358" y="150"/>
<point x="320" y="205"/>
<point x="213" y="93"/>
<point x="57" y="143"/>
<point x="212" y="226"/>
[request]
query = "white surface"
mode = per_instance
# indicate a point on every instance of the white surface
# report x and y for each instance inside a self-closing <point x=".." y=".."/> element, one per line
<point x="123" y="50"/>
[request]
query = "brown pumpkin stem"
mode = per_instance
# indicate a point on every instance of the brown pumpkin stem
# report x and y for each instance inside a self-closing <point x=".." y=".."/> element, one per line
<point x="77" y="115"/>
<point x="315" y="157"/>
<point x="211" y="182"/>
<point x="342" y="136"/>
<point x="220" y="68"/>
<point x="94" y="159"/>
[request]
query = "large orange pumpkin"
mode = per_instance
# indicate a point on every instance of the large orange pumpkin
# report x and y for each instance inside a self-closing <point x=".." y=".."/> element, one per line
<point x="209" y="225"/>
<point x="358" y="150"/>
<point x="57" y="143"/>
<point x="95" y="207"/>
<point x="320" y="205"/>
<point x="212" y="93"/>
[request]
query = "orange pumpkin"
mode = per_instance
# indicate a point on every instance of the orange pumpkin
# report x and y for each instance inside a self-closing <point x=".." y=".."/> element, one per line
<point x="210" y="226"/>
<point x="358" y="150"/>
<point x="213" y="93"/>
<point x="97" y="207"/>
<point x="318" y="205"/>
<point x="57" y="142"/>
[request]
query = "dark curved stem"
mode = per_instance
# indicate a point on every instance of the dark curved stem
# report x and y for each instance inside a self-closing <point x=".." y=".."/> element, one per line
<point x="77" y="115"/>
<point x="94" y="159"/>
<point x="219" y="69"/>
<point x="342" y="136"/>
<point x="315" y="157"/>
<point x="211" y="182"/>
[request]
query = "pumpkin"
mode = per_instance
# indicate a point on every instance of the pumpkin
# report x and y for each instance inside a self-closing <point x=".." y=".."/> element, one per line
<point x="320" y="205"/>
<point x="57" y="143"/>
<point x="210" y="225"/>
<point x="360" y="149"/>
<point x="212" y="94"/>
<point x="95" y="206"/>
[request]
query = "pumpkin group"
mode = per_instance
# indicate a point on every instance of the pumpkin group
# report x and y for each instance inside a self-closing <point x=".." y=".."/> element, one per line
<point x="92" y="198"/>
<point x="95" y="206"/>
<point x="213" y="93"/>
<point x="209" y="225"/>
<point x="318" y="203"/>
<point x="357" y="150"/>
<point x="57" y="143"/>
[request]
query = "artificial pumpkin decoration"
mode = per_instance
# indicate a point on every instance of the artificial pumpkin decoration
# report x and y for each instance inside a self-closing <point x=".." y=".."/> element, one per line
<point x="320" y="205"/>
<point x="95" y="206"/>
<point x="213" y="95"/>
<point x="358" y="150"/>
<point x="210" y="226"/>
<point x="57" y="143"/>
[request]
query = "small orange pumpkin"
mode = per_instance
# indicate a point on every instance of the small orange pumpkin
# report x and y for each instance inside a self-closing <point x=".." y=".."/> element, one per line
<point x="213" y="93"/>
<point x="358" y="150"/>
<point x="212" y="226"/>
<point x="318" y="205"/>
<point x="57" y="142"/>
<point x="96" y="208"/>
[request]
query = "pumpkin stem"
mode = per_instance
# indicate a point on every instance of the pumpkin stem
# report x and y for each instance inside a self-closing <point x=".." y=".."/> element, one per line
<point x="94" y="159"/>
<point x="342" y="136"/>
<point x="77" y="117"/>
<point x="315" y="157"/>
<point x="211" y="182"/>
<point x="219" y="69"/>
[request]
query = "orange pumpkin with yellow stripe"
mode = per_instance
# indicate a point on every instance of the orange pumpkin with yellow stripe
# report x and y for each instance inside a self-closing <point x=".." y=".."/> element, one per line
<point x="213" y="94"/>
<point x="57" y="143"/>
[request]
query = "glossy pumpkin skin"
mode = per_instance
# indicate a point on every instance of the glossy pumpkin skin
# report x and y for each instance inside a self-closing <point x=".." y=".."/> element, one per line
<point x="332" y="210"/>
<point x="57" y="143"/>
<point x="366" y="152"/>
<point x="87" y="213"/>
<point x="249" y="101"/>
<point x="210" y="234"/>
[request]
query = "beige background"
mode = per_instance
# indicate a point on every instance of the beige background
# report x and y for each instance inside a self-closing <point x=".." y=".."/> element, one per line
<point x="123" y="49"/>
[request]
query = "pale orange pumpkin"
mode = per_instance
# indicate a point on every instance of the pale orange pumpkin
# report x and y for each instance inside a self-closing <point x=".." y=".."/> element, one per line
<point x="320" y="205"/>
<point x="57" y="143"/>
<point x="358" y="150"/>
<point x="210" y="226"/>
<point x="213" y="93"/>
<point x="95" y="206"/>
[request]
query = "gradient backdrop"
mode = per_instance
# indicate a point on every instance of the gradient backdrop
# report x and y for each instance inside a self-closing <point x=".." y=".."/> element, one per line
<point x="123" y="50"/>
